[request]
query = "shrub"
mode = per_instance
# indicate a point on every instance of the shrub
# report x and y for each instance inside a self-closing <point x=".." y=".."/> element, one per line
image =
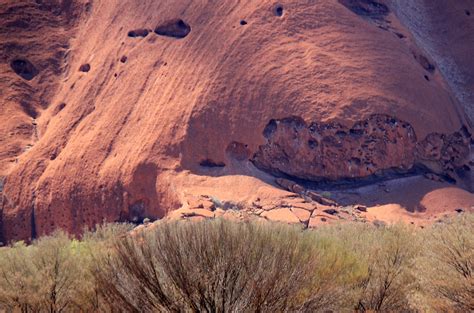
<point x="447" y="265"/>
<point x="54" y="274"/>
<point x="46" y="276"/>
<point x="385" y="278"/>
<point x="222" y="266"/>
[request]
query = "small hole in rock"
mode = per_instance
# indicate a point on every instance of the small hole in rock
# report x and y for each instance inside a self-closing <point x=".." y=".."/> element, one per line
<point x="468" y="13"/>
<point x="138" y="33"/>
<point x="123" y="59"/>
<point x="427" y="78"/>
<point x="312" y="144"/>
<point x="59" y="108"/>
<point x="278" y="10"/>
<point x="400" y="35"/>
<point x="243" y="22"/>
<point x="115" y="75"/>
<point x="176" y="28"/>
<point x="85" y="68"/>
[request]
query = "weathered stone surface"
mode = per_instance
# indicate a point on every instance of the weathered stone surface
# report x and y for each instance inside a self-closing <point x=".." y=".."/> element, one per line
<point x="301" y="214"/>
<point x="284" y="215"/>
<point x="348" y="92"/>
<point x="315" y="151"/>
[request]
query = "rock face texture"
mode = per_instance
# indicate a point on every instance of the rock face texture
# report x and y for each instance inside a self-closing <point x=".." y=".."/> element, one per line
<point x="331" y="151"/>
<point x="118" y="110"/>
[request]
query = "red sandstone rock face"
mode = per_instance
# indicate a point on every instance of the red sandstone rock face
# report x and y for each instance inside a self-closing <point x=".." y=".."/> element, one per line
<point x="159" y="116"/>
<point x="332" y="151"/>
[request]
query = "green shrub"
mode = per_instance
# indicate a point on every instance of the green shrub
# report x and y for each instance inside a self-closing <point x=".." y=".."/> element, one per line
<point x="46" y="276"/>
<point x="384" y="280"/>
<point x="446" y="266"/>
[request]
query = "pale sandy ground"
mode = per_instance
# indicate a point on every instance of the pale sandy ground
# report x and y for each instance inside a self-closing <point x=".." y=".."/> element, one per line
<point x="411" y="199"/>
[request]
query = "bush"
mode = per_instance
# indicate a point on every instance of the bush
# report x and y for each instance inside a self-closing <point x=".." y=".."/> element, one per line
<point x="229" y="266"/>
<point x="46" y="276"/>
<point x="222" y="266"/>
<point x="385" y="278"/>
<point x="54" y="274"/>
<point x="447" y="265"/>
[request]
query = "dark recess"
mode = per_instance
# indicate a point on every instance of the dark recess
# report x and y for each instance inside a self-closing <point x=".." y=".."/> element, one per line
<point x="24" y="68"/>
<point x="33" y="224"/>
<point x="278" y="10"/>
<point x="425" y="63"/>
<point x="176" y="28"/>
<point x="367" y="8"/>
<point x="138" y="33"/>
<point x="243" y="22"/>
<point x="59" y="108"/>
<point x="270" y="128"/>
<point x="211" y="163"/>
<point x="123" y="59"/>
<point x="29" y="109"/>
<point x="400" y="35"/>
<point x="85" y="68"/>
<point x="313" y="144"/>
<point x="468" y="13"/>
<point x="427" y="78"/>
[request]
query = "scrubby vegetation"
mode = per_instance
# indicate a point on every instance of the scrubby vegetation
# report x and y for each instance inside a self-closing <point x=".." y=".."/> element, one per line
<point x="222" y="266"/>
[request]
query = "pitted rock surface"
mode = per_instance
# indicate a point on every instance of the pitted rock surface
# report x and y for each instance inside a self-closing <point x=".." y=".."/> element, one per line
<point x="331" y="151"/>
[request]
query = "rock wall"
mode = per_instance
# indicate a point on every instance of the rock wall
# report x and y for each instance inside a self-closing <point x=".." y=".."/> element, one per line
<point x="143" y="92"/>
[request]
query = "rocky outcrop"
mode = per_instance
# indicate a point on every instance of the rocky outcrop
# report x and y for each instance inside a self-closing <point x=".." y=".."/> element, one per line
<point x="343" y="81"/>
<point x="331" y="151"/>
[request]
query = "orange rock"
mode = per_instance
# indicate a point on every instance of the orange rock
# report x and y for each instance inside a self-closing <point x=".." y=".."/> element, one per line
<point x="203" y="212"/>
<point x="319" y="92"/>
<point x="281" y="215"/>
<point x="301" y="214"/>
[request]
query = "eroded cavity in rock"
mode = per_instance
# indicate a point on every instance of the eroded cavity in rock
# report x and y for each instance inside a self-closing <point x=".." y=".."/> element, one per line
<point x="425" y="63"/>
<point x="142" y="32"/>
<point x="85" y="68"/>
<point x="211" y="163"/>
<point x="367" y="8"/>
<point x="176" y="28"/>
<point x="24" y="68"/>
<point x="332" y="151"/>
<point x="278" y="10"/>
<point x="445" y="152"/>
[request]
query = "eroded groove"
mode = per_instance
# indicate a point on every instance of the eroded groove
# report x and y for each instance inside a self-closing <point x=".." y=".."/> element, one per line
<point x="368" y="9"/>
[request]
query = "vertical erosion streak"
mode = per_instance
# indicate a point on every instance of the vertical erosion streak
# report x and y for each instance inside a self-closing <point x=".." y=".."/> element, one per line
<point x="33" y="218"/>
